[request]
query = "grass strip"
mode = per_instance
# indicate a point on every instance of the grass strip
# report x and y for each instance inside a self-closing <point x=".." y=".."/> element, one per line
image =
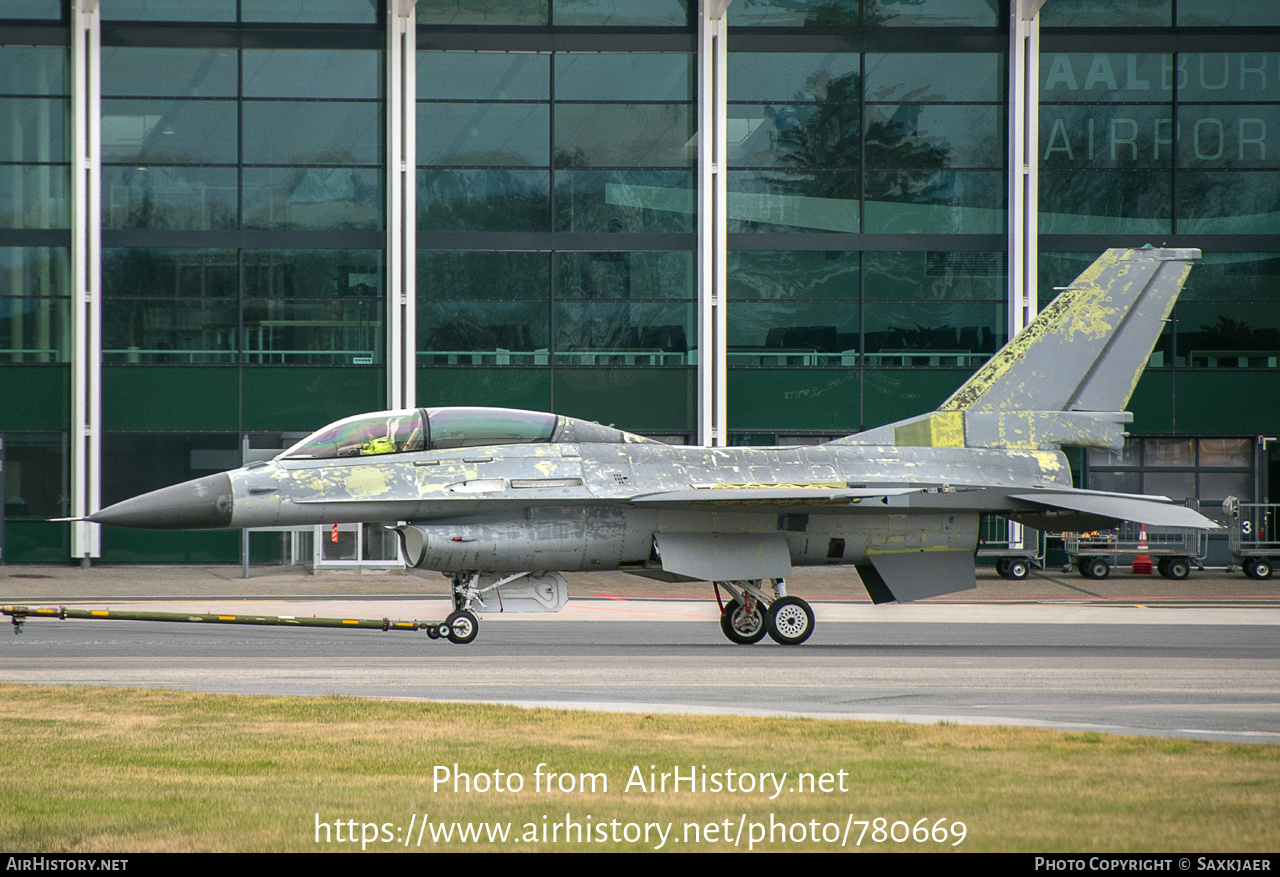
<point x="121" y="770"/>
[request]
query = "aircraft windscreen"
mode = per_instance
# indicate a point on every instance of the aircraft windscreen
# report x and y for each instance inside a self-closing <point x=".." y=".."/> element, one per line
<point x="470" y="427"/>
<point x="388" y="432"/>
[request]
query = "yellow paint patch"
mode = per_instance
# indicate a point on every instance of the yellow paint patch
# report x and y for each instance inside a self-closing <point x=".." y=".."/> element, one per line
<point x="368" y="481"/>
<point x="943" y="429"/>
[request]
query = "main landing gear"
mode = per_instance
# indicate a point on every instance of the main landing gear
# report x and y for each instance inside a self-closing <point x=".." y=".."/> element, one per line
<point x="751" y="613"/>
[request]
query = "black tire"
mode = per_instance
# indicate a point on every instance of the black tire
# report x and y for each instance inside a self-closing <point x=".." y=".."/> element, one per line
<point x="1018" y="569"/>
<point x="463" y="627"/>
<point x="1262" y="568"/>
<point x="1096" y="568"/>
<point x="1246" y="567"/>
<point x="1177" y="568"/>
<point x="1002" y="567"/>
<point x="740" y="626"/>
<point x="789" y="621"/>
<point x="433" y="631"/>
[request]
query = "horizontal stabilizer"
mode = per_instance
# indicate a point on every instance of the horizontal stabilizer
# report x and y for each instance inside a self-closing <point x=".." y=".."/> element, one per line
<point x="722" y="557"/>
<point x="1122" y="507"/>
<point x="906" y="576"/>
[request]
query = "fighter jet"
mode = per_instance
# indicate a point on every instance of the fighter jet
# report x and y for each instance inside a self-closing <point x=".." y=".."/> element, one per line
<point x="503" y="501"/>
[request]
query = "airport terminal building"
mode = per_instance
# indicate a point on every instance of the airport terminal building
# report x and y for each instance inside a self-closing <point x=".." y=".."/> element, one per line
<point x="225" y="223"/>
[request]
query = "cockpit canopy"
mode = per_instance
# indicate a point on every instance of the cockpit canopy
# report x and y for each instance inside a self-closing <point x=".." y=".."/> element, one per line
<point x="421" y="429"/>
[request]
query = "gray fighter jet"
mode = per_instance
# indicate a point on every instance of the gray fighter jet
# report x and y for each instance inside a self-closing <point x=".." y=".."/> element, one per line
<point x="500" y="500"/>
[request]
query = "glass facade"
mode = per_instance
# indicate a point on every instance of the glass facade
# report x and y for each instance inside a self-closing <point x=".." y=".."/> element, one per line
<point x="245" y="214"/>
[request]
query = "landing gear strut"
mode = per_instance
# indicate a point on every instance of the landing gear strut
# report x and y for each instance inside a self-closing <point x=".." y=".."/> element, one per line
<point x="751" y="613"/>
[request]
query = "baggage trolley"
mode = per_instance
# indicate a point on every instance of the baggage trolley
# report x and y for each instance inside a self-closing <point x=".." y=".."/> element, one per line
<point x="1252" y="538"/>
<point x="1173" y="550"/>
<point x="1016" y="548"/>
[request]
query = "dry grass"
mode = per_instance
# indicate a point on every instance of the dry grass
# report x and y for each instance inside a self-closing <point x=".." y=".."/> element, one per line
<point x="108" y="770"/>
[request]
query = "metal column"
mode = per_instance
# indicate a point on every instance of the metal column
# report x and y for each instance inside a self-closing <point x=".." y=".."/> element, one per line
<point x="86" y="273"/>
<point x="712" y="233"/>
<point x="1024" y="134"/>
<point x="401" y="77"/>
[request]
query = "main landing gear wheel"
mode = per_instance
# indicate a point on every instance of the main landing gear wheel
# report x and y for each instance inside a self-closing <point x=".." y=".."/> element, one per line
<point x="463" y="627"/>
<point x="789" y="621"/>
<point x="741" y="626"/>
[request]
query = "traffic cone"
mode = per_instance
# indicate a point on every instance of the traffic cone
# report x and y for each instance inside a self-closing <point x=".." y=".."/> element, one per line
<point x="1142" y="561"/>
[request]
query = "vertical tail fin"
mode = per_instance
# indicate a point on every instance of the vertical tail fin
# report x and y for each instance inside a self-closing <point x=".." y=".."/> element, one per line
<point x="1066" y="378"/>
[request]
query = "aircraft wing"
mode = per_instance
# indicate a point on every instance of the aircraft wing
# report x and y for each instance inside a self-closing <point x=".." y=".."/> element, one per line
<point x="792" y="495"/>
<point x="1103" y="510"/>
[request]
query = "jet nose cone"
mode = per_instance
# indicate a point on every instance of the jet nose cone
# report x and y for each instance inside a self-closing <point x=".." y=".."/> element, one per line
<point x="202" y="504"/>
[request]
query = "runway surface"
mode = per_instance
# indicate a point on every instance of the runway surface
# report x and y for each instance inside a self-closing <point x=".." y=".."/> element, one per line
<point x="1202" y="669"/>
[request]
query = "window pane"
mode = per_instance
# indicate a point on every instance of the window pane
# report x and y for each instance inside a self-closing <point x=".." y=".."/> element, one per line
<point x="131" y="72"/>
<point x="35" y="197"/>
<point x="1092" y="202"/>
<point x="933" y="333"/>
<point x="793" y="13"/>
<point x="350" y="275"/>
<point x="482" y="75"/>
<point x="1107" y="13"/>
<point x="956" y="202"/>
<point x="1235" y="277"/>
<point x="481" y="200"/>
<point x="1106" y="136"/>
<point x="342" y="331"/>
<point x="314" y="198"/>
<point x="325" y="73"/>
<point x="169" y="330"/>
<point x="187" y="274"/>
<point x="793" y="333"/>
<point x="482" y="12"/>
<point x="933" y="13"/>
<point x="1228" y="335"/>
<point x="1177" y="486"/>
<point x="347" y="11"/>
<point x="653" y="13"/>
<point x="1228" y="136"/>
<point x="483" y="333"/>
<point x="625" y="135"/>
<point x="807" y="76"/>
<point x="170" y="131"/>
<point x="1226" y="452"/>
<point x="630" y="201"/>
<point x="35" y="329"/>
<point x="506" y="135"/>
<point x="795" y="136"/>
<point x="1207" y="13"/>
<point x="317" y="132"/>
<point x="1228" y="203"/>
<point x="910" y="135"/>
<point x="777" y="201"/>
<point x="1170" y="452"/>
<point x="169" y="197"/>
<point x="32" y="70"/>
<point x="1105" y="76"/>
<point x="935" y="77"/>
<point x="36" y="482"/>
<point x="935" y="276"/>
<point x="622" y="333"/>
<point x="618" y="76"/>
<point x="625" y="275"/>
<point x="168" y="10"/>
<point x="786" y="274"/>
<point x="483" y="276"/>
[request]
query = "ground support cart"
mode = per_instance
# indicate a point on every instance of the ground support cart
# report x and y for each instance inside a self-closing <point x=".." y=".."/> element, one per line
<point x="1252" y="538"/>
<point x="1173" y="550"/>
<point x="1016" y="548"/>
